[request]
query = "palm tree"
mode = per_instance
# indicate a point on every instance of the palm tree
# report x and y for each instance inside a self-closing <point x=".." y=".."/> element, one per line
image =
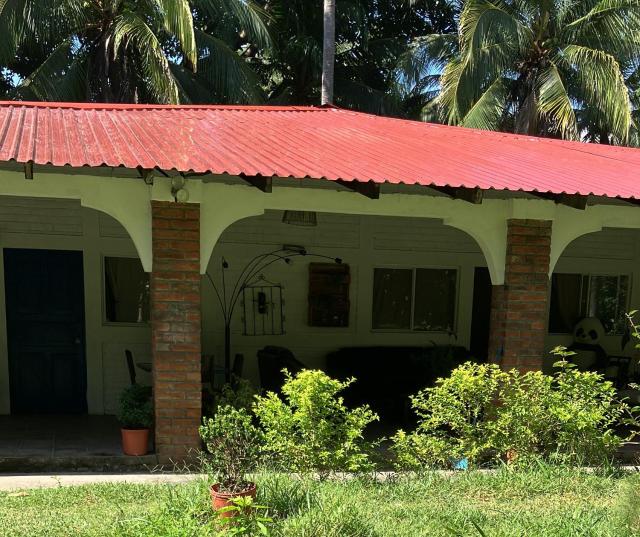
<point x="328" y="51"/>
<point x="540" y="67"/>
<point x="369" y="37"/>
<point x="130" y="51"/>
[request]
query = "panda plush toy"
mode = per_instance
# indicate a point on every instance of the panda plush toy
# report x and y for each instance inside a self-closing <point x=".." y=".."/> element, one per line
<point x="589" y="354"/>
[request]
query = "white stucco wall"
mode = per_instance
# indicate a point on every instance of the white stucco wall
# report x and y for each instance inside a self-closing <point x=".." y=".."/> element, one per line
<point x="363" y="242"/>
<point x="42" y="223"/>
<point x="365" y="233"/>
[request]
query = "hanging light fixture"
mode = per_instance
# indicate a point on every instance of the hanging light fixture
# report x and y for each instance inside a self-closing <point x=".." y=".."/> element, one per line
<point x="300" y="218"/>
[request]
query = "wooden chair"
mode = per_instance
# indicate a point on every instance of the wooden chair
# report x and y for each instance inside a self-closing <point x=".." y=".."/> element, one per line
<point x="236" y="369"/>
<point x="131" y="365"/>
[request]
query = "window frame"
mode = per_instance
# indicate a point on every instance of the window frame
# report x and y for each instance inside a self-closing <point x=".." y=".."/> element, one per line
<point x="590" y="275"/>
<point x="103" y="295"/>
<point x="413" y="269"/>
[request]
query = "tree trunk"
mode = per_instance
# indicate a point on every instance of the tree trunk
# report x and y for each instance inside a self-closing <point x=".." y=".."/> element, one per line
<point x="328" y="51"/>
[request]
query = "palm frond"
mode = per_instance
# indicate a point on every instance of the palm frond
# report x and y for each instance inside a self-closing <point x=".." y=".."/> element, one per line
<point x="21" y="21"/>
<point x="554" y="102"/>
<point x="359" y="96"/>
<point x="483" y="22"/>
<point x="425" y="55"/>
<point x="488" y="110"/>
<point x="130" y="32"/>
<point x="612" y="26"/>
<point x="447" y="101"/>
<point x="250" y="16"/>
<point x="178" y="21"/>
<point x="601" y="85"/>
<point x="61" y="77"/>
<point x="228" y="74"/>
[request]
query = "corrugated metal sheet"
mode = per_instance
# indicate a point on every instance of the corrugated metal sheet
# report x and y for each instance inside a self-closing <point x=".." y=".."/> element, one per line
<point x="309" y="142"/>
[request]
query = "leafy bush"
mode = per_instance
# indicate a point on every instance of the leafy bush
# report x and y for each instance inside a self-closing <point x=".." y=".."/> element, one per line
<point x="136" y="407"/>
<point x="484" y="414"/>
<point x="453" y="418"/>
<point x="311" y="429"/>
<point x="239" y="394"/>
<point x="233" y="447"/>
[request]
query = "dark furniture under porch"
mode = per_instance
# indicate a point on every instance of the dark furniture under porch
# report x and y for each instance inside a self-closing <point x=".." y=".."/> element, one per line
<point x="387" y="376"/>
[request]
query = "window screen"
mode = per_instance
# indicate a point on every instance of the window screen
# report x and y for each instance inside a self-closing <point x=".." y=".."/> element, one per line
<point x="414" y="299"/>
<point x="126" y="290"/>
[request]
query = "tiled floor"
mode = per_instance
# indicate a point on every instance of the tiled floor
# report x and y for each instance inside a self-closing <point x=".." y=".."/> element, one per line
<point x="59" y="436"/>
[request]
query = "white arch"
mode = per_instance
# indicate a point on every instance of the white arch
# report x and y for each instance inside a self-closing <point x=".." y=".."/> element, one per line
<point x="126" y="200"/>
<point x="223" y="204"/>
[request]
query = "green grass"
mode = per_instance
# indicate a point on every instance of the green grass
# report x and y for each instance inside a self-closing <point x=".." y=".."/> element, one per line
<point x="545" y="501"/>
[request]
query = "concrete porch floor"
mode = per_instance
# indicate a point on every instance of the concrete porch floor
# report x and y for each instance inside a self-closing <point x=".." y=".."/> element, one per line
<point x="64" y="442"/>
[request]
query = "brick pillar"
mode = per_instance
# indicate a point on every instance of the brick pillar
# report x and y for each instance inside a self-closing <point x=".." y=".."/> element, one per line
<point x="519" y="308"/>
<point x="175" y="328"/>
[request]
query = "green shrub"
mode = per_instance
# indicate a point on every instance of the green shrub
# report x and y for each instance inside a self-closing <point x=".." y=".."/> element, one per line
<point x="484" y="414"/>
<point x="136" y="407"/>
<point x="585" y="415"/>
<point x="240" y="394"/>
<point x="311" y="429"/>
<point x="453" y="418"/>
<point x="233" y="446"/>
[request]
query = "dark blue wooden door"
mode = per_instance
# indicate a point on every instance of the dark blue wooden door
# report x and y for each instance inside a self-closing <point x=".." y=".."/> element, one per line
<point x="44" y="292"/>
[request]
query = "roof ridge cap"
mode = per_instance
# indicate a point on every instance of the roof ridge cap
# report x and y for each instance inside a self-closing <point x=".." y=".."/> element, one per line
<point x="139" y="106"/>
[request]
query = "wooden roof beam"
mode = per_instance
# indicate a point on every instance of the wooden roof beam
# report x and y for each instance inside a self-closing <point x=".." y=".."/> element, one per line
<point x="470" y="195"/>
<point x="575" y="201"/>
<point x="28" y="170"/>
<point x="369" y="189"/>
<point x="259" y="181"/>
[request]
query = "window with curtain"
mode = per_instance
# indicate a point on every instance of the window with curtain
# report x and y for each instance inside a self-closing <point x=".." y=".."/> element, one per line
<point x="126" y="287"/>
<point x="575" y="296"/>
<point x="421" y="299"/>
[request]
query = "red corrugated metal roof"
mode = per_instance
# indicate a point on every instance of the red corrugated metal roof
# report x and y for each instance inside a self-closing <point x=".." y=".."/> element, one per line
<point x="309" y="142"/>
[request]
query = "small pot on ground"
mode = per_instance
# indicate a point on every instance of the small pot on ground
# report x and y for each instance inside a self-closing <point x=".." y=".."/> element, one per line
<point x="135" y="441"/>
<point x="221" y="500"/>
<point x="136" y="417"/>
<point x="233" y="446"/>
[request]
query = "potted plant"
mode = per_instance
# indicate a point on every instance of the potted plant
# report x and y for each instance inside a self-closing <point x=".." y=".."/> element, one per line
<point x="233" y="447"/>
<point x="136" y="417"/>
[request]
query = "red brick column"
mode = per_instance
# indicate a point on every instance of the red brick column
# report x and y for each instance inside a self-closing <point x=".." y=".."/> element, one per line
<point x="175" y="327"/>
<point x="519" y="308"/>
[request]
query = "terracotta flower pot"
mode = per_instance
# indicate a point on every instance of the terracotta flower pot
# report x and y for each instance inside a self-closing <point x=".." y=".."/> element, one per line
<point x="135" y="441"/>
<point x="220" y="500"/>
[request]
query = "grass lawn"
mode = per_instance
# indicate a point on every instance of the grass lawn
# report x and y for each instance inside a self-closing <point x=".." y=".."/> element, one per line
<point x="542" y="502"/>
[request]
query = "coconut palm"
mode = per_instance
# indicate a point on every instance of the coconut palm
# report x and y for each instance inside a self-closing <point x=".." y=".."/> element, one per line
<point x="369" y="36"/>
<point x="328" y="51"/>
<point x="537" y="66"/>
<point x="130" y="50"/>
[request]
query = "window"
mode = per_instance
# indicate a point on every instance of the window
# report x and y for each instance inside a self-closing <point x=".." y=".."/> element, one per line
<point x="421" y="299"/>
<point x="575" y="296"/>
<point x="126" y="287"/>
